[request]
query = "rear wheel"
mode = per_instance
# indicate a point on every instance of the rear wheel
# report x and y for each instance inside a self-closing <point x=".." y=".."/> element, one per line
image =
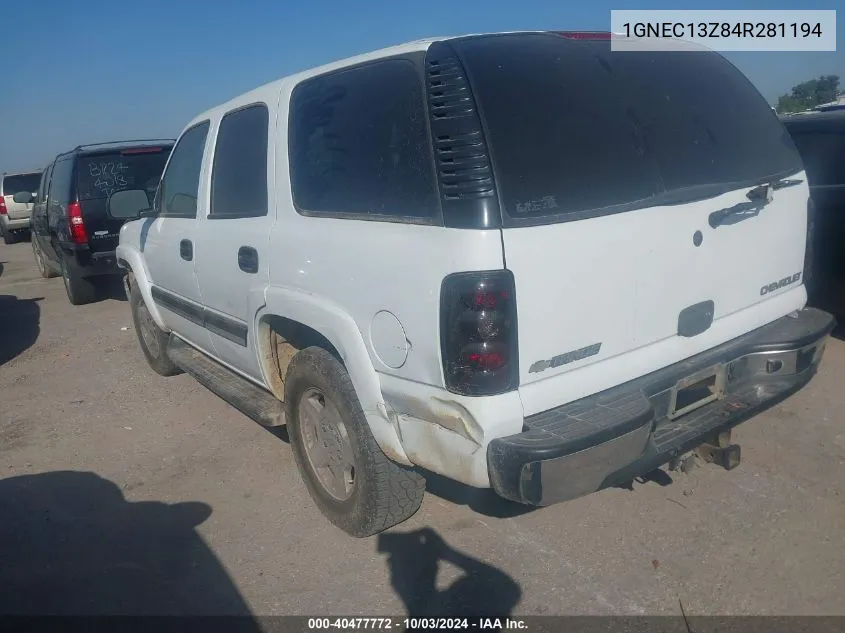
<point x="43" y="268"/>
<point x="79" y="289"/>
<point x="350" y="479"/>
<point x="151" y="337"/>
<point x="8" y="237"/>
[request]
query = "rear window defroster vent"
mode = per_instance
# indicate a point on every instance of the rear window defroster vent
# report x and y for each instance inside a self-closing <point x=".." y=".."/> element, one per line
<point x="464" y="173"/>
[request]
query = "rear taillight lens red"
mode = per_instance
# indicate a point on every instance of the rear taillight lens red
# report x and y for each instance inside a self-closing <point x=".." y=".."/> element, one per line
<point x="78" y="234"/>
<point x="478" y="341"/>
<point x="3" y="210"/>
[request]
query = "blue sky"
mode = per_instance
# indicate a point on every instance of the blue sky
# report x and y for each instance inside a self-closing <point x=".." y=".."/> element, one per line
<point x="82" y="71"/>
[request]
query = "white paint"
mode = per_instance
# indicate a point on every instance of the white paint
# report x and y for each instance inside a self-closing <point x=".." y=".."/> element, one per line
<point x="372" y="287"/>
<point x="622" y="280"/>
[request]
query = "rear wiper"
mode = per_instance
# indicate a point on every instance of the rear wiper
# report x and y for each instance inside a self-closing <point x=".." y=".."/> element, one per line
<point x="758" y="197"/>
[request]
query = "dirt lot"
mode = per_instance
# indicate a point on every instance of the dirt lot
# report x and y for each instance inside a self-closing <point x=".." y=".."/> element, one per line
<point x="124" y="491"/>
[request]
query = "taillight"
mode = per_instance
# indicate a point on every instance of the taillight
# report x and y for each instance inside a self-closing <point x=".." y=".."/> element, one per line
<point x="478" y="333"/>
<point x="3" y="210"/>
<point x="78" y="235"/>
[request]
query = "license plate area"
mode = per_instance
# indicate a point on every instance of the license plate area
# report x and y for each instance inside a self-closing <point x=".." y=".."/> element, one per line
<point x="694" y="391"/>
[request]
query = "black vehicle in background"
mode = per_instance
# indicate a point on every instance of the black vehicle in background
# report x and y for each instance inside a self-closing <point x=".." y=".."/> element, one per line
<point x="820" y="138"/>
<point x="73" y="233"/>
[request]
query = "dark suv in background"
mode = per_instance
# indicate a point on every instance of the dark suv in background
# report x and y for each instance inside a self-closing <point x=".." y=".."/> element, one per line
<point x="820" y="139"/>
<point x="73" y="233"/>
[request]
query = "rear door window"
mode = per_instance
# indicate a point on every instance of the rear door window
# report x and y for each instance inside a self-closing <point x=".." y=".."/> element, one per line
<point x="179" y="190"/>
<point x="100" y="175"/>
<point x="16" y="183"/>
<point x="576" y="130"/>
<point x="239" y="174"/>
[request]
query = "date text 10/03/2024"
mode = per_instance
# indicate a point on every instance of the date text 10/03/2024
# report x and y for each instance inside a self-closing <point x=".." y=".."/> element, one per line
<point x="432" y="624"/>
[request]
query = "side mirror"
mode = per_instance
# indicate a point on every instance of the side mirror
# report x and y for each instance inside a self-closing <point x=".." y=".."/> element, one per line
<point x="23" y="197"/>
<point x="128" y="204"/>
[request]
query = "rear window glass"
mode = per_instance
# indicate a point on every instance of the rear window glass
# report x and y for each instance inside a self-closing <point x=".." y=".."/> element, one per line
<point x="99" y="176"/>
<point x="21" y="182"/>
<point x="576" y="129"/>
<point x="823" y="154"/>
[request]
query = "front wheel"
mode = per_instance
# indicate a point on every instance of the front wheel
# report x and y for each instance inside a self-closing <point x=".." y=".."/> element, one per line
<point x="152" y="339"/>
<point x="350" y="479"/>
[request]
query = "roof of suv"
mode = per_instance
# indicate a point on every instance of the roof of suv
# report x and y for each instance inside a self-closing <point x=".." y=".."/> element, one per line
<point x="415" y="46"/>
<point x="96" y="148"/>
<point x="832" y="120"/>
<point x="28" y="172"/>
<point x="262" y="92"/>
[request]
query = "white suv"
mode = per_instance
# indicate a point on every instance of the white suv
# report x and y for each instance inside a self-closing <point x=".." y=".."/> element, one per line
<point x="521" y="261"/>
<point x="15" y="216"/>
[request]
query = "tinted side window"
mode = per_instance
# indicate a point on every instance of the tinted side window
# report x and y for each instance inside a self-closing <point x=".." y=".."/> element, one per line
<point x="359" y="143"/>
<point x="61" y="180"/>
<point x="239" y="175"/>
<point x="179" y="188"/>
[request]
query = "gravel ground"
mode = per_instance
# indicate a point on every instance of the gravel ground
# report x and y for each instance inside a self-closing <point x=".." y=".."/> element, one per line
<point x="122" y="491"/>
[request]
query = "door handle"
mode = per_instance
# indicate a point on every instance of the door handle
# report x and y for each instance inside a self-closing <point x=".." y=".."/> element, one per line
<point x="186" y="250"/>
<point x="248" y="259"/>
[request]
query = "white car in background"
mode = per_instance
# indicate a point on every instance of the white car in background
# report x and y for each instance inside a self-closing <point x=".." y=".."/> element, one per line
<point x="14" y="216"/>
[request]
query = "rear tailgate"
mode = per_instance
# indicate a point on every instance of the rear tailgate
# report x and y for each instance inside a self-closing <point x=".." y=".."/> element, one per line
<point x="635" y="226"/>
<point x="15" y="183"/>
<point x="100" y="175"/>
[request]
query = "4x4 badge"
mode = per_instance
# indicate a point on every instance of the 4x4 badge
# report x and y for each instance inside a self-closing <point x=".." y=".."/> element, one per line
<point x="563" y="359"/>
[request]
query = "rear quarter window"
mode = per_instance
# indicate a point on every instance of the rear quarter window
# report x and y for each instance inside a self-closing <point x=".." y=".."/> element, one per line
<point x="359" y="145"/>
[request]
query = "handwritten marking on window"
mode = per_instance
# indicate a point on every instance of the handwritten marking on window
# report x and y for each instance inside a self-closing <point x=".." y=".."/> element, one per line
<point x="110" y="176"/>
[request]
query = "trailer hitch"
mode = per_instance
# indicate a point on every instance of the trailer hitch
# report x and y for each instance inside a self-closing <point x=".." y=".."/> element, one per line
<point x="719" y="450"/>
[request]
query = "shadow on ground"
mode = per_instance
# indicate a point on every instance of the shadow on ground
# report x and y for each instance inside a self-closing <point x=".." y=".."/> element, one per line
<point x="111" y="287"/>
<point x="19" y="325"/>
<point x="481" y="500"/>
<point x="414" y="559"/>
<point x="828" y="280"/>
<point x="71" y="544"/>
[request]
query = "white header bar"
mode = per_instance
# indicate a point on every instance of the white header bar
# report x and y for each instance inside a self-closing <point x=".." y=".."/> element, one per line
<point x="727" y="30"/>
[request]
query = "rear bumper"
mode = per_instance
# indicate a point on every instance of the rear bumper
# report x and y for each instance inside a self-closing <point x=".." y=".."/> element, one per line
<point x="611" y="437"/>
<point x="18" y="224"/>
<point x="84" y="263"/>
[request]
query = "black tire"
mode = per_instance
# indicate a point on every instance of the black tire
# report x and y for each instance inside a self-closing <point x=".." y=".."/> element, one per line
<point x="43" y="268"/>
<point x="8" y="237"/>
<point x="155" y="350"/>
<point x="79" y="289"/>
<point x="383" y="493"/>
